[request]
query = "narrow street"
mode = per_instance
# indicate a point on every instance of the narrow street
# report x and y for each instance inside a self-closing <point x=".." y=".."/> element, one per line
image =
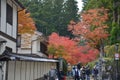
<point x="70" y="78"/>
<point x="59" y="39"/>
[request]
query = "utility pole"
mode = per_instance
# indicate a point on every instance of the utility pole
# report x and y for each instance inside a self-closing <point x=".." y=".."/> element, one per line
<point x="116" y="59"/>
<point x="101" y="60"/>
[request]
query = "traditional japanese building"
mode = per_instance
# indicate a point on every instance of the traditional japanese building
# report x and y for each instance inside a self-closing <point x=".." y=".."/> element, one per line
<point x="16" y="61"/>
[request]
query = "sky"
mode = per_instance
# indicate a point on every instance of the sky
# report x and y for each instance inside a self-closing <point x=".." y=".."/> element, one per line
<point x="80" y="4"/>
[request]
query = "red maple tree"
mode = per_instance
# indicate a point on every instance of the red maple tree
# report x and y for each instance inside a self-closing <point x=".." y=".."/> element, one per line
<point x="92" y="27"/>
<point x="60" y="46"/>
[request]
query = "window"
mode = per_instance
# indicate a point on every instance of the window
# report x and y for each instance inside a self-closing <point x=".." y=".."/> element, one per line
<point x="9" y="14"/>
<point x="43" y="47"/>
<point x="19" y="40"/>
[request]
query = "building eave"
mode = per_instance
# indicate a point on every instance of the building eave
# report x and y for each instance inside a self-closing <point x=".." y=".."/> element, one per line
<point x="20" y="6"/>
<point x="6" y="56"/>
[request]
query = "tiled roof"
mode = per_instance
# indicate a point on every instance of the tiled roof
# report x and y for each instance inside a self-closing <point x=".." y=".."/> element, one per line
<point x="7" y="55"/>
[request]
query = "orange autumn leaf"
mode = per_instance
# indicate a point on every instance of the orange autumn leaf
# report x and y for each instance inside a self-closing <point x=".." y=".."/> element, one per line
<point x="25" y="23"/>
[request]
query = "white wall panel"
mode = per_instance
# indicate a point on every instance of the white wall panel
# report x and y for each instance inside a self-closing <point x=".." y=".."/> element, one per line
<point x="42" y="68"/>
<point x="18" y="71"/>
<point x="3" y="16"/>
<point x="14" y="29"/>
<point x="11" y="69"/>
<point x="32" y="72"/>
<point x="45" y="67"/>
<point x="28" y="71"/>
<point x="0" y="23"/>
<point x="38" y="70"/>
<point x="6" y="28"/>
<point x="23" y="72"/>
<point x="9" y="43"/>
<point x="35" y="70"/>
<point x="9" y="29"/>
<point x="0" y="15"/>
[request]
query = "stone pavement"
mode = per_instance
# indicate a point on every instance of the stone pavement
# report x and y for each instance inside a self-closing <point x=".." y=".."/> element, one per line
<point x="70" y="78"/>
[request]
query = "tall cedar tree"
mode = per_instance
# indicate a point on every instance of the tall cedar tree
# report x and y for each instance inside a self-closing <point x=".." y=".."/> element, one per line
<point x="52" y="15"/>
<point x="71" y="13"/>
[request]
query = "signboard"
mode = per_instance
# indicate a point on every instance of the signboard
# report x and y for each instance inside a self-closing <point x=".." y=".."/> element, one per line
<point x="116" y="56"/>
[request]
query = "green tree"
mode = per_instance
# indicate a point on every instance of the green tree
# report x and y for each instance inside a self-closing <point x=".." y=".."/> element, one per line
<point x="71" y="10"/>
<point x="70" y="13"/>
<point x="52" y="15"/>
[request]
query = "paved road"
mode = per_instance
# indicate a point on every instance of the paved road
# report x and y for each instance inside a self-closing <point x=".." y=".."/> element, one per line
<point x="70" y="78"/>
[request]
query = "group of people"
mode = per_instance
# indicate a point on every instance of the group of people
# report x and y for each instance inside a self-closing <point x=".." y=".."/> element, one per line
<point x="84" y="72"/>
<point x="77" y="72"/>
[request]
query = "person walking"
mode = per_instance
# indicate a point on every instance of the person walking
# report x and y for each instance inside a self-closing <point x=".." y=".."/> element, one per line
<point x="95" y="73"/>
<point x="60" y="75"/>
<point x="73" y="71"/>
<point x="83" y="73"/>
<point x="88" y="72"/>
<point x="69" y="68"/>
<point x="77" y="73"/>
<point x="79" y="65"/>
<point x="52" y="73"/>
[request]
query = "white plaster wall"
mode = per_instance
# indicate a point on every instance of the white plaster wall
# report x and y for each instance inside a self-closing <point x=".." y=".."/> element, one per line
<point x="42" y="70"/>
<point x="0" y="16"/>
<point x="35" y="70"/>
<point x="5" y="27"/>
<point x="3" y="72"/>
<point x="23" y="72"/>
<point x="39" y="72"/>
<point x="33" y="41"/>
<point x="10" y="32"/>
<point x="9" y="29"/>
<point x="32" y="70"/>
<point x="2" y="48"/>
<point x="35" y="46"/>
<point x="24" y="51"/>
<point x="14" y="30"/>
<point x="3" y="16"/>
<point x="17" y="70"/>
<point x="28" y="71"/>
<point x="28" y="51"/>
<point x="10" y="44"/>
<point x="34" y="49"/>
<point x="11" y="69"/>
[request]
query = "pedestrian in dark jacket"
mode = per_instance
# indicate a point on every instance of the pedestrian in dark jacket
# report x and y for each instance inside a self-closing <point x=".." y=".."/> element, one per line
<point x="60" y="75"/>
<point x="87" y="72"/>
<point x="77" y="73"/>
<point x="95" y="73"/>
<point x="79" y="65"/>
<point x="83" y="73"/>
